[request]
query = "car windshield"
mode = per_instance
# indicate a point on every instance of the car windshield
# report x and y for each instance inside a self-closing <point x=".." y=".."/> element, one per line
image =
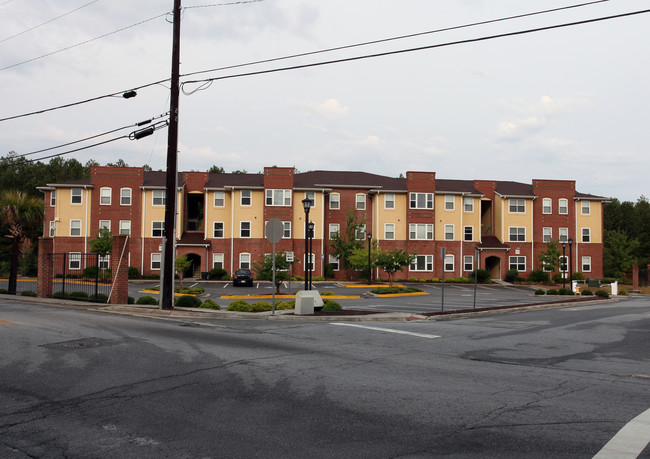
<point x="243" y="272"/>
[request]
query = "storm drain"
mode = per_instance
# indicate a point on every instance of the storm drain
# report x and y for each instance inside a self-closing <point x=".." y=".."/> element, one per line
<point x="83" y="343"/>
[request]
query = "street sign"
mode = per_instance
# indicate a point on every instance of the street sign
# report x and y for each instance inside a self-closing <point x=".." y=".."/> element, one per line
<point x="274" y="230"/>
<point x="289" y="257"/>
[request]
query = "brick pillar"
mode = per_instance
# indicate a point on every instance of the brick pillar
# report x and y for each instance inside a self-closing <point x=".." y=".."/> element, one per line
<point x="120" y="279"/>
<point x="45" y="267"/>
<point x="635" y="277"/>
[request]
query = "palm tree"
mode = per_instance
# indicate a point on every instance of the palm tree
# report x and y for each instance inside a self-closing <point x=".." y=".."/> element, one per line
<point x="19" y="213"/>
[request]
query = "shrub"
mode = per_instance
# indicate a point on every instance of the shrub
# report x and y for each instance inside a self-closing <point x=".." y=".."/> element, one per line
<point x="482" y="275"/>
<point x="602" y="294"/>
<point x="78" y="295"/>
<point x="462" y="279"/>
<point x="239" y="306"/>
<point x="130" y="300"/>
<point x="565" y="291"/>
<point x="551" y="291"/>
<point x="100" y="298"/>
<point x="587" y="292"/>
<point x="557" y="278"/>
<point x="435" y="279"/>
<point x="217" y="273"/>
<point x="210" y="304"/>
<point x="280" y="305"/>
<point x="58" y="294"/>
<point x="391" y="290"/>
<point x="540" y="291"/>
<point x="538" y="275"/>
<point x="327" y="293"/>
<point x="329" y="271"/>
<point x="512" y="275"/>
<point x="622" y="292"/>
<point x="578" y="276"/>
<point x="260" y="306"/>
<point x="331" y="306"/>
<point x="412" y="279"/>
<point x="198" y="290"/>
<point x="28" y="293"/>
<point x="187" y="302"/>
<point x="450" y="279"/>
<point x="151" y="276"/>
<point x="134" y="273"/>
<point x="147" y="300"/>
<point x="90" y="272"/>
<point x="318" y="278"/>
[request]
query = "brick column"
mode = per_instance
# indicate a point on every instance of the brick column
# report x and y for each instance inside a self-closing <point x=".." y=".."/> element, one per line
<point x="45" y="267"/>
<point x="635" y="277"/>
<point x="120" y="279"/>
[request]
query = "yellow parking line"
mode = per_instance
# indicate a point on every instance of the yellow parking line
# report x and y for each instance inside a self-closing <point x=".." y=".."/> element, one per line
<point x="2" y="321"/>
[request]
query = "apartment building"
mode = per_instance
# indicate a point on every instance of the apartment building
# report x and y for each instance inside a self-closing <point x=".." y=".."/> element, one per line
<point x="221" y="218"/>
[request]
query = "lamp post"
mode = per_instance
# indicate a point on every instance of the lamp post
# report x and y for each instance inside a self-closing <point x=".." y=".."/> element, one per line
<point x="310" y="233"/>
<point x="563" y="264"/>
<point x="369" y="266"/>
<point x="570" y="241"/>
<point x="306" y="204"/>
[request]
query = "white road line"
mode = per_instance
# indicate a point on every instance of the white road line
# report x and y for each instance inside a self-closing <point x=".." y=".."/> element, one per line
<point x="387" y="330"/>
<point x="630" y="441"/>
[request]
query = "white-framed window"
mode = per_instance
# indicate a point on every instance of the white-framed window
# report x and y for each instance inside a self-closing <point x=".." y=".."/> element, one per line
<point x="311" y="195"/>
<point x="547" y="206"/>
<point x="75" y="227"/>
<point x="563" y="234"/>
<point x="157" y="229"/>
<point x="468" y="204"/>
<point x="246" y="198"/>
<point x="586" y="264"/>
<point x="586" y="235"/>
<point x="74" y="260"/>
<point x="518" y="263"/>
<point x="422" y="263"/>
<point x="334" y="229"/>
<point x="517" y="206"/>
<point x="517" y="234"/>
<point x="125" y="196"/>
<point x="563" y="206"/>
<point x="125" y="227"/>
<point x="468" y="263"/>
<point x="104" y="261"/>
<point x="389" y="201"/>
<point x="52" y="228"/>
<point x="156" y="259"/>
<point x="585" y="207"/>
<point x="245" y="229"/>
<point x="218" y="229"/>
<point x="52" y="198"/>
<point x="310" y="262"/>
<point x="280" y="198"/>
<point x="335" y="201"/>
<point x="217" y="260"/>
<point x="334" y="262"/>
<point x="421" y="231"/>
<point x="219" y="199"/>
<point x="245" y="260"/>
<point x="450" y="202"/>
<point x="468" y="233"/>
<point x="286" y="226"/>
<point x="421" y="200"/>
<point x="547" y="234"/>
<point x="75" y="196"/>
<point x="449" y="263"/>
<point x="158" y="197"/>
<point x="105" y="224"/>
<point x="389" y="231"/>
<point x="360" y="233"/>
<point x="360" y="201"/>
<point x="449" y="232"/>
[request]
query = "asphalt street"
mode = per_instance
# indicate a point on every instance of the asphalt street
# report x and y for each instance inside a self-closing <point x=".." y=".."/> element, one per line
<point x="560" y="382"/>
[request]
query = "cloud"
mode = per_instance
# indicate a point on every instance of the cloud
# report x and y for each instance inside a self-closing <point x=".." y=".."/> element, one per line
<point x="330" y="109"/>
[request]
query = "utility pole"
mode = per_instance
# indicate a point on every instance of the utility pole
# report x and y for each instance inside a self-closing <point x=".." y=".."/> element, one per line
<point x="166" y="289"/>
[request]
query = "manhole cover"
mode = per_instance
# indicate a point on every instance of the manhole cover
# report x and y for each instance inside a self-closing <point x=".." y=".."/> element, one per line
<point x="83" y="343"/>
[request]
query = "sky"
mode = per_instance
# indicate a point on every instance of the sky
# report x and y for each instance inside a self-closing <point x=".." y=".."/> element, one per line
<point x="567" y="103"/>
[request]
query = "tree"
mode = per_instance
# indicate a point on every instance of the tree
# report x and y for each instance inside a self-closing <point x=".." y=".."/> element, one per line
<point x="344" y="245"/>
<point x="217" y="170"/>
<point x="19" y="213"/>
<point x="620" y="253"/>
<point x="103" y="244"/>
<point x="181" y="265"/>
<point x="550" y="259"/>
<point x="264" y="268"/>
<point x="358" y="260"/>
<point x="119" y="163"/>
<point x="393" y="261"/>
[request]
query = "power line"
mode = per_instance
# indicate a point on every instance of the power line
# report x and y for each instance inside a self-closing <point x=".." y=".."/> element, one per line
<point x="46" y="22"/>
<point x="205" y="82"/>
<point x="223" y="4"/>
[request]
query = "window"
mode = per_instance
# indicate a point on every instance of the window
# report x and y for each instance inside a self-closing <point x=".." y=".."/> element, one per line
<point x="105" y="224"/>
<point x="246" y="197"/>
<point x="335" y="201"/>
<point x="157" y="229"/>
<point x="421" y="200"/>
<point x="311" y="195"/>
<point x="245" y="261"/>
<point x="159" y="197"/>
<point x="104" y="261"/>
<point x="156" y="259"/>
<point x="449" y="263"/>
<point x="563" y="234"/>
<point x="468" y="204"/>
<point x="334" y="229"/>
<point x="278" y="198"/>
<point x="244" y="229"/>
<point x="361" y="201"/>
<point x="517" y="234"/>
<point x="517" y="206"/>
<point x="547" y="206"/>
<point x="310" y="262"/>
<point x="585" y="208"/>
<point x="287" y="230"/>
<point x="468" y="263"/>
<point x="105" y="196"/>
<point x="586" y="264"/>
<point x="217" y="230"/>
<point x="389" y="201"/>
<point x="421" y="231"/>
<point x="518" y="263"/>
<point x="389" y="231"/>
<point x="74" y="262"/>
<point x="217" y="260"/>
<point x="449" y="202"/>
<point x="125" y="196"/>
<point x="52" y="229"/>
<point x="469" y="233"/>
<point x="547" y="234"/>
<point x="125" y="227"/>
<point x="449" y="232"/>
<point x="219" y="199"/>
<point x="75" y="227"/>
<point x="360" y="233"/>
<point x="52" y="198"/>
<point x="422" y="263"/>
<point x="586" y="235"/>
<point x="334" y="262"/>
<point x="563" y="206"/>
<point x="75" y="196"/>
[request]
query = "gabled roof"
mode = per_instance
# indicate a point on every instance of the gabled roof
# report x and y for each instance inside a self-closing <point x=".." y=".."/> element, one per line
<point x="71" y="183"/>
<point x="456" y="186"/>
<point x="235" y="180"/>
<point x="492" y="242"/>
<point x="515" y="189"/>
<point x="347" y="179"/>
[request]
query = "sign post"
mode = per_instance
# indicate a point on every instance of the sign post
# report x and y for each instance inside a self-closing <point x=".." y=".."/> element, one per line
<point x="274" y="232"/>
<point x="289" y="257"/>
<point x="476" y="255"/>
<point x="442" y="255"/>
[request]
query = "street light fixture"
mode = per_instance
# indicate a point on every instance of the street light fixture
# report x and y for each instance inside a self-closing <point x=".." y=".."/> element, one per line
<point x="306" y="204"/>
<point x="570" y="241"/>
<point x="563" y="264"/>
<point x="369" y="267"/>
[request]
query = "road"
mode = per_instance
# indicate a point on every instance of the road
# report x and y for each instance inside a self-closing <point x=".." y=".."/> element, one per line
<point x="546" y="383"/>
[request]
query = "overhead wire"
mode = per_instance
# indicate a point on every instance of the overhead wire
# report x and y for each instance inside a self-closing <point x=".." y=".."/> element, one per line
<point x="242" y="2"/>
